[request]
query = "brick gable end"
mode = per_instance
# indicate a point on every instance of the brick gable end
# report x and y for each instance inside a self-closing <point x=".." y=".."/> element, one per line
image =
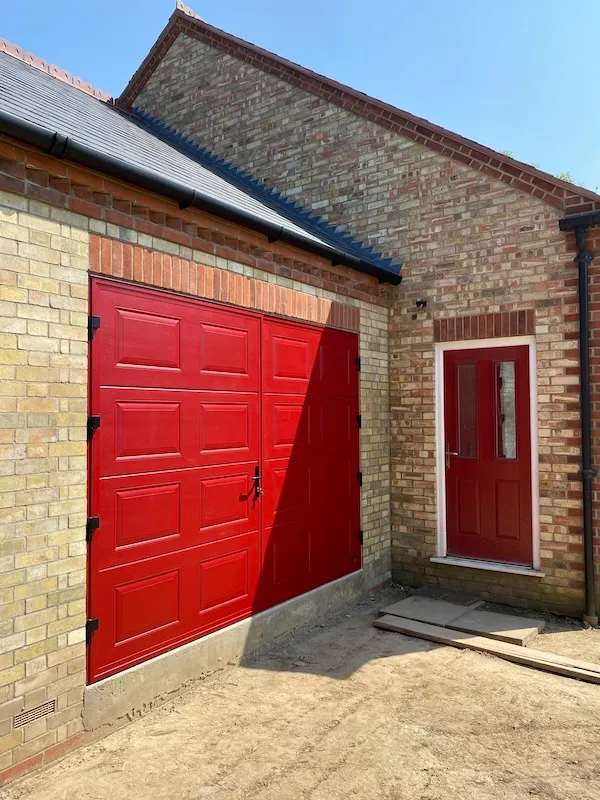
<point x="560" y="194"/>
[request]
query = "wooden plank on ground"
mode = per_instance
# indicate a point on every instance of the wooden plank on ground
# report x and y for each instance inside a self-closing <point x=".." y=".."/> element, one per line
<point x="537" y="659"/>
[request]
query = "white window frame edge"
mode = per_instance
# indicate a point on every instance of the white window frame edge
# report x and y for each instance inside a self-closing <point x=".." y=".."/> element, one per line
<point x="477" y="344"/>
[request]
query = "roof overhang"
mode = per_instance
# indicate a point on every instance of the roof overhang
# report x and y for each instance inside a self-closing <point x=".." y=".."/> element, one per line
<point x="56" y="144"/>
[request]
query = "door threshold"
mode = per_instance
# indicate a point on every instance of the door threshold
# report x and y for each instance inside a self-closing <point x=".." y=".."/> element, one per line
<point x="492" y="566"/>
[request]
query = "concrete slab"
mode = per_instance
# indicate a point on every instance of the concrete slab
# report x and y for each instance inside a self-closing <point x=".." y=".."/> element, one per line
<point x="450" y="596"/>
<point x="424" y="609"/>
<point x="138" y="689"/>
<point x="503" y="627"/>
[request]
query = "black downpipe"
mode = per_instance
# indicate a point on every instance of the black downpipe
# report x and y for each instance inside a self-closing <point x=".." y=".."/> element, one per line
<point x="588" y="473"/>
<point x="62" y="146"/>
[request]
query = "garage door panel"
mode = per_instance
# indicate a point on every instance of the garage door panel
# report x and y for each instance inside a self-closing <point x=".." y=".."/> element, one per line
<point x="228" y="501"/>
<point x="147" y="514"/>
<point x="229" y="350"/>
<point x="289" y="356"/>
<point x="287" y="561"/>
<point x="226" y="580"/>
<point x="337" y="486"/>
<point x="153" y="605"/>
<point x="291" y="424"/>
<point x="147" y="605"/>
<point x="144" y="516"/>
<point x="141" y="430"/>
<point x="337" y="372"/>
<point x="158" y="340"/>
<point x="146" y="430"/>
<point x="289" y="488"/>
<point x="339" y="426"/>
<point x="228" y="428"/>
<point x="147" y="340"/>
<point x="336" y="547"/>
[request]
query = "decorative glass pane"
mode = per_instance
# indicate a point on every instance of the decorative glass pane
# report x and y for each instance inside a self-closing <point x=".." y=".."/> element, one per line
<point x="505" y="401"/>
<point x="467" y="410"/>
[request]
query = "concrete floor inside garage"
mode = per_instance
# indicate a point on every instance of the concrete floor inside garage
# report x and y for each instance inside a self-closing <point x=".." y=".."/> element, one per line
<point x="344" y="710"/>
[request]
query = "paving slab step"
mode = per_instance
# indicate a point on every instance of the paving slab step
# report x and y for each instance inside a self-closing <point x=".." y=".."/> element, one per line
<point x="503" y="627"/>
<point x="471" y="619"/>
<point x="450" y="596"/>
<point x="424" y="609"/>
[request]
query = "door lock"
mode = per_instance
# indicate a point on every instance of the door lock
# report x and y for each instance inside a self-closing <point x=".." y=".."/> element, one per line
<point x="448" y="454"/>
<point x="257" y="477"/>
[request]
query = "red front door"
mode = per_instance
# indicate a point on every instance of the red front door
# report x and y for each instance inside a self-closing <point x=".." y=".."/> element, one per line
<point x="488" y="454"/>
<point x="196" y="401"/>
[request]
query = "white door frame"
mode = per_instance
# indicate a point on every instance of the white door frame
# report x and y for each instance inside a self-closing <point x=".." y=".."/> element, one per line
<point x="440" y="439"/>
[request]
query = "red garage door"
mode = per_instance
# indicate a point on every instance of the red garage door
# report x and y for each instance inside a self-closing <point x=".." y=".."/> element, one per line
<point x="223" y="472"/>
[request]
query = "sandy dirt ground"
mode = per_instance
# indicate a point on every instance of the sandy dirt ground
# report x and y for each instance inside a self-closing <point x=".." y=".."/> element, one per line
<point x="344" y="711"/>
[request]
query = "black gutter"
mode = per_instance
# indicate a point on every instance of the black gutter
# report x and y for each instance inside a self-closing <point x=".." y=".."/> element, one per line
<point x="585" y="220"/>
<point x="579" y="223"/>
<point x="61" y="146"/>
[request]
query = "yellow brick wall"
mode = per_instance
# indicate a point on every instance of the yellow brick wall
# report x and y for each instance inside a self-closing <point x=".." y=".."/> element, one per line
<point x="44" y="262"/>
<point x="43" y="412"/>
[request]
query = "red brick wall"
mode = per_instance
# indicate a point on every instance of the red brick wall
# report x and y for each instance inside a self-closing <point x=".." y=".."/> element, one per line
<point x="122" y="260"/>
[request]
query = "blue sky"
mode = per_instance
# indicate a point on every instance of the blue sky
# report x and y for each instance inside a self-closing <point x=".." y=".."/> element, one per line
<point x="517" y="75"/>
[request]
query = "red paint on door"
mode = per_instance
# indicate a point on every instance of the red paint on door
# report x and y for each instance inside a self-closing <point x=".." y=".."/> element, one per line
<point x="488" y="454"/>
<point x="186" y="544"/>
<point x="310" y="458"/>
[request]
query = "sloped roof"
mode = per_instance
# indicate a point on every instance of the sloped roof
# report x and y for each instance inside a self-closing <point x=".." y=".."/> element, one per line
<point x="30" y="95"/>
<point x="525" y="177"/>
<point x="269" y="197"/>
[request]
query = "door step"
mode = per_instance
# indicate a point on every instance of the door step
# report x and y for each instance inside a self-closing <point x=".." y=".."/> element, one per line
<point x="537" y="659"/>
<point x="450" y="596"/>
<point x="468" y="618"/>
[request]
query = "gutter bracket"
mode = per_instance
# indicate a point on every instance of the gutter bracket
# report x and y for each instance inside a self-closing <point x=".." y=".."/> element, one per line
<point x="59" y="146"/>
<point x="187" y="202"/>
<point x="275" y="237"/>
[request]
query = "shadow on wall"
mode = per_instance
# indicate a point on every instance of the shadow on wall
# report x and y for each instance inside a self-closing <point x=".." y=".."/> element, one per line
<point x="307" y="493"/>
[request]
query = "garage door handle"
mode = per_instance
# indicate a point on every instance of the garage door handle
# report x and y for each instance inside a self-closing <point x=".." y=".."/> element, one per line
<point x="257" y="477"/>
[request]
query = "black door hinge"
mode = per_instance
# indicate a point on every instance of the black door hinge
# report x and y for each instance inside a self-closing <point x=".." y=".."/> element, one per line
<point x="357" y="359"/>
<point x="93" y="423"/>
<point x="359" y="477"/>
<point x="91" y="626"/>
<point x="359" y="420"/>
<point x="93" y="325"/>
<point x="360" y="537"/>
<point x="92" y="524"/>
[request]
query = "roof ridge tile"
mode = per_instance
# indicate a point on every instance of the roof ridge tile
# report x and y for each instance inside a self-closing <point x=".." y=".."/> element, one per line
<point x="54" y="71"/>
